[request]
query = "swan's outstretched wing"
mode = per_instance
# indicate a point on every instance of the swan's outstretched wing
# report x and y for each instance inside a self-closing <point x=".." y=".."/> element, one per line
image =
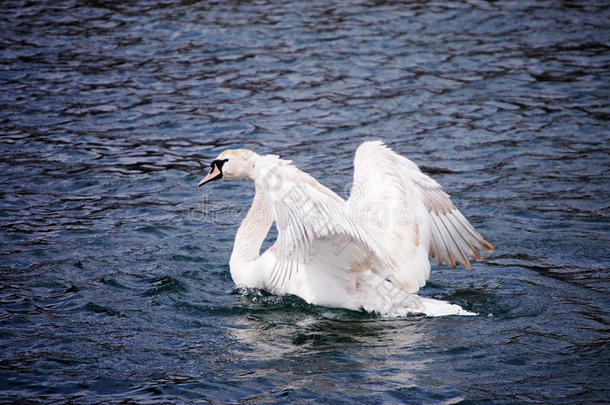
<point x="421" y="215"/>
<point x="306" y="214"/>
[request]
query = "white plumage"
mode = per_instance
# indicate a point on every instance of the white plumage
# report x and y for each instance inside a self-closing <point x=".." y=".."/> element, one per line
<point x="367" y="253"/>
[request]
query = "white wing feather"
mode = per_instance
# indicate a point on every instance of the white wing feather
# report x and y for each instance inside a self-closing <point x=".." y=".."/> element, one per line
<point x="306" y="213"/>
<point x="422" y="219"/>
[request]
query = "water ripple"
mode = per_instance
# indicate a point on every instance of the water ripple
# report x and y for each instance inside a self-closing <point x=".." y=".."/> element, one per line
<point x="114" y="282"/>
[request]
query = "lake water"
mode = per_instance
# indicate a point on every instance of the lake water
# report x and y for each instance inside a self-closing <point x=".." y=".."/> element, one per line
<point x="114" y="278"/>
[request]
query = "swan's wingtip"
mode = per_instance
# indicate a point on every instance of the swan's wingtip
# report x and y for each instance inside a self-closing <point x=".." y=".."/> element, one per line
<point x="486" y="246"/>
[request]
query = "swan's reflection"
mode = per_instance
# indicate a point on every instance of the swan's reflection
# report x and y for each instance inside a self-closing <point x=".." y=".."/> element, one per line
<point x="301" y="346"/>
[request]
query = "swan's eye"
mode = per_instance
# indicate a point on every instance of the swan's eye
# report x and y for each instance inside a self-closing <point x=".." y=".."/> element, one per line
<point x="218" y="163"/>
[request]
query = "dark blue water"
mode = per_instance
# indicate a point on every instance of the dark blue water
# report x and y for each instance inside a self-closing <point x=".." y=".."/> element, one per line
<point x="114" y="279"/>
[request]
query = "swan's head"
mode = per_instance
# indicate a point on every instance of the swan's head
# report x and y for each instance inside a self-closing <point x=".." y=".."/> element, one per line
<point x="232" y="164"/>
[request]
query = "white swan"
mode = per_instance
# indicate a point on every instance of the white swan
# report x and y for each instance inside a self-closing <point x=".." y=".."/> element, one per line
<point x="367" y="253"/>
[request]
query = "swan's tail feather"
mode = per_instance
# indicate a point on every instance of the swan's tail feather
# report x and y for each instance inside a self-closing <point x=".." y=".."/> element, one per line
<point x="432" y="307"/>
<point x="387" y="300"/>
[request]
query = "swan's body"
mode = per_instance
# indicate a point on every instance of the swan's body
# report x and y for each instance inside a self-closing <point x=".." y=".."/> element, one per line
<point x="369" y="252"/>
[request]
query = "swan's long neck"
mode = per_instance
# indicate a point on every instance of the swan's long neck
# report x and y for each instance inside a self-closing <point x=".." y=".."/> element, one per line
<point x="251" y="233"/>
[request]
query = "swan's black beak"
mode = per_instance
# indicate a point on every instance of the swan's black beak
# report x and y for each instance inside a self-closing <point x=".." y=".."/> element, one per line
<point x="215" y="173"/>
